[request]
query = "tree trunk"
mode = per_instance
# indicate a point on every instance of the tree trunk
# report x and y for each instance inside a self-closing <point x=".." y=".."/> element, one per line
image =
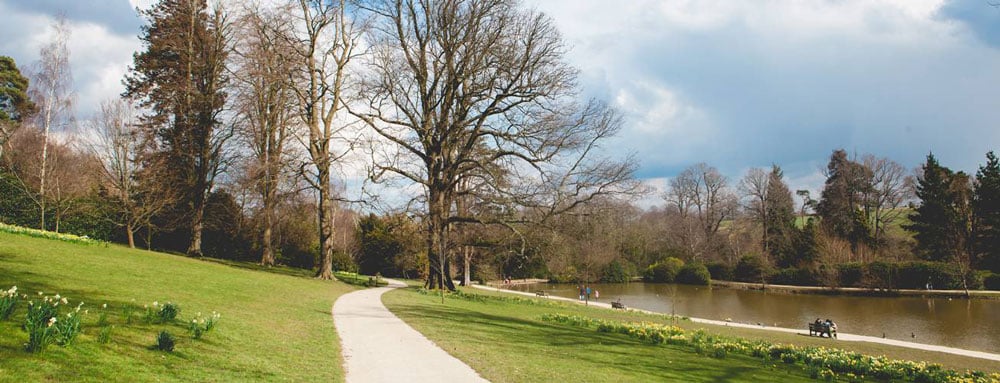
<point x="267" y="258"/>
<point x="197" y="224"/>
<point x="467" y="278"/>
<point x="130" y="233"/>
<point x="325" y="223"/>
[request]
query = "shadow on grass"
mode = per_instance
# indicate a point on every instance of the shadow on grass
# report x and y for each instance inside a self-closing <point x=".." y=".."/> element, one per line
<point x="545" y="344"/>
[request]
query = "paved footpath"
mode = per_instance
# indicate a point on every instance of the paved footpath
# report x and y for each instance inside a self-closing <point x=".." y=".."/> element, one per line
<point x="379" y="347"/>
<point x="840" y="336"/>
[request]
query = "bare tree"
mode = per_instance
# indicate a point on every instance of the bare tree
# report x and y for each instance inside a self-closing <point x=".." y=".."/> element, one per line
<point x="702" y="193"/>
<point x="52" y="93"/>
<point x="887" y="193"/>
<point x="118" y="145"/>
<point x="460" y="89"/>
<point x="754" y="186"/>
<point x="263" y="96"/>
<point x="324" y="42"/>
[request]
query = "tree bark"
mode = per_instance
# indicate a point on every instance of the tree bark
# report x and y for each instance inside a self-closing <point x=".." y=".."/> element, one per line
<point x="325" y="223"/>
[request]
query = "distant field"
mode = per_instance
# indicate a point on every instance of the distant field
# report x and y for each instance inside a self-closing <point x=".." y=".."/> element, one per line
<point x="274" y="326"/>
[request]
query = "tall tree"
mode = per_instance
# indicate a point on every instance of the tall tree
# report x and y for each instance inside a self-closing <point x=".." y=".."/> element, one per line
<point x="457" y="87"/>
<point x="986" y="213"/>
<point x="754" y="187"/>
<point x="53" y="94"/>
<point x="780" y="220"/>
<point x="264" y="98"/>
<point x="180" y="78"/>
<point x="841" y="203"/>
<point x="885" y="195"/>
<point x="939" y="223"/>
<point x="703" y="193"/>
<point x="15" y="105"/>
<point x="324" y="42"/>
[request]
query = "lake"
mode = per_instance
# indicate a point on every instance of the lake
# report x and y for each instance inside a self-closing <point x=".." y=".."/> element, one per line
<point x="972" y="324"/>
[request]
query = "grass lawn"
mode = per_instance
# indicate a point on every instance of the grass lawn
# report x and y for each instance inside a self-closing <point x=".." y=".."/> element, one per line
<point x="507" y="342"/>
<point x="274" y="326"/>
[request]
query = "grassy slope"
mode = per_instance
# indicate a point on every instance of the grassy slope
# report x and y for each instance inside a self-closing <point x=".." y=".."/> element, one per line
<point x="273" y="328"/>
<point x="507" y="342"/>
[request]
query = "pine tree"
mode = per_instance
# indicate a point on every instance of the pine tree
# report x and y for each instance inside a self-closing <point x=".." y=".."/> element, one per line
<point x="779" y="223"/>
<point x="180" y="77"/>
<point x="14" y="102"/>
<point x="986" y="213"/>
<point x="841" y="202"/>
<point x="939" y="223"/>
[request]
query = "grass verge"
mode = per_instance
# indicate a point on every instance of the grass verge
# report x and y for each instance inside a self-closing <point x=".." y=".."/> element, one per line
<point x="506" y="341"/>
<point x="274" y="327"/>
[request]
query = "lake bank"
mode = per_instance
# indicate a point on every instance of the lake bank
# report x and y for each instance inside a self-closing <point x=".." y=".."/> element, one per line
<point x="842" y="336"/>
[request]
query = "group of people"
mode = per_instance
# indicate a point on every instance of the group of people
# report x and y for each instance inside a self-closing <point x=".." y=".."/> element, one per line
<point x="828" y="324"/>
<point x="585" y="292"/>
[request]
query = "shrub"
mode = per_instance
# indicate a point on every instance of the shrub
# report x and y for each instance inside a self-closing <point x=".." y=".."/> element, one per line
<point x="614" y="273"/>
<point x="164" y="313"/>
<point x="165" y="341"/>
<point x="694" y="274"/>
<point x="991" y="281"/>
<point x="720" y="271"/>
<point x="750" y="268"/>
<point x="850" y="274"/>
<point x="881" y="275"/>
<point x="664" y="271"/>
<point x="794" y="276"/>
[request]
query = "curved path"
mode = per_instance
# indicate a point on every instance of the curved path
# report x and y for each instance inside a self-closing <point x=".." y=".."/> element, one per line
<point x="840" y="336"/>
<point x="379" y="347"/>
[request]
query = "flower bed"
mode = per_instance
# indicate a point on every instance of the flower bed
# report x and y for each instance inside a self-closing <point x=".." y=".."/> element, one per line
<point x="12" y="229"/>
<point x="822" y="363"/>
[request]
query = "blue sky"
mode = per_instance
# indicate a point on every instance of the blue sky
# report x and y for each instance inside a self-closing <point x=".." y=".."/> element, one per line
<point x="733" y="83"/>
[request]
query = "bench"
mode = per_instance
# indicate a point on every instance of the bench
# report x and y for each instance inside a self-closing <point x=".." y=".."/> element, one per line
<point x="820" y="329"/>
<point x="617" y="305"/>
<point x="541" y="293"/>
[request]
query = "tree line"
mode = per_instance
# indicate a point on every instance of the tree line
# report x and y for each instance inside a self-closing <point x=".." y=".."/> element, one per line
<point x="232" y="138"/>
<point x="237" y="126"/>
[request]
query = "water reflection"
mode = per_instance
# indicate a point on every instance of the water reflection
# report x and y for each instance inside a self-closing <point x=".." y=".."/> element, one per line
<point x="969" y="324"/>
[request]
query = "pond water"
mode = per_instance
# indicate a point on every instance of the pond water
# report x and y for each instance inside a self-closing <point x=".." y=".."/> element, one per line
<point x="972" y="324"/>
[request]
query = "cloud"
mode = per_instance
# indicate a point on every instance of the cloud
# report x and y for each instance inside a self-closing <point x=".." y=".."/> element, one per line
<point x="746" y="83"/>
<point x="980" y="19"/>
<point x="117" y="15"/>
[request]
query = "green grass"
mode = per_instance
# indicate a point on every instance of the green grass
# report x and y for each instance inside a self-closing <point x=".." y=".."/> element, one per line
<point x="274" y="327"/>
<point x="507" y="342"/>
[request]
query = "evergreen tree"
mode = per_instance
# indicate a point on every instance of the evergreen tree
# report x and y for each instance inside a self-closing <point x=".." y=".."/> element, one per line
<point x="14" y="102"/>
<point x="841" y="202"/>
<point x="939" y="223"/>
<point x="180" y="78"/>
<point x="986" y="213"/>
<point x="779" y="223"/>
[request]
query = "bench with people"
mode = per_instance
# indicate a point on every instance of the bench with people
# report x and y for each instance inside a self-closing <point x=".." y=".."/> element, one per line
<point x="541" y="293"/>
<point x="617" y="304"/>
<point x="820" y="327"/>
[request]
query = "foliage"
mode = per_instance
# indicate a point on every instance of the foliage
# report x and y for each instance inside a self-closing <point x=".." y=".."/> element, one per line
<point x="694" y="274"/>
<point x="751" y="268"/>
<point x="201" y="325"/>
<point x="45" y="324"/>
<point x="991" y="281"/>
<point x="779" y="220"/>
<point x="8" y="302"/>
<point x="14" y="101"/>
<point x="796" y="276"/>
<point x="850" y="274"/>
<point x="161" y="313"/>
<point x="614" y="273"/>
<point x="829" y="362"/>
<point x="938" y="223"/>
<point x="664" y="271"/>
<point x="840" y="202"/>
<point x="165" y="341"/>
<point x="720" y="271"/>
<point x="986" y="213"/>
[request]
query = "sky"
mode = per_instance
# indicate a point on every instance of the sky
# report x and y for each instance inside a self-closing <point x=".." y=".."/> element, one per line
<point x="732" y="83"/>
